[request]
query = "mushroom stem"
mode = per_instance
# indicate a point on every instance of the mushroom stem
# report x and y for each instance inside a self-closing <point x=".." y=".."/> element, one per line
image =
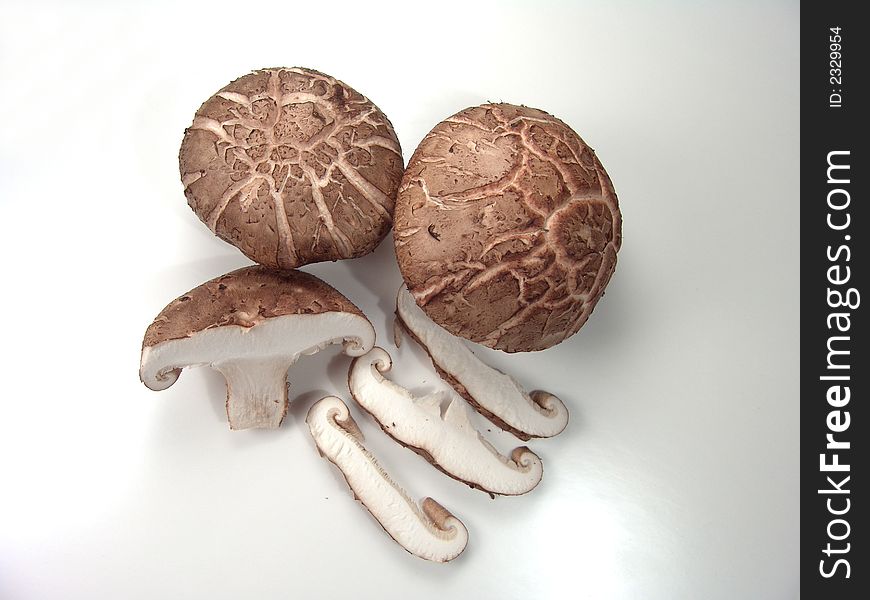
<point x="256" y="391"/>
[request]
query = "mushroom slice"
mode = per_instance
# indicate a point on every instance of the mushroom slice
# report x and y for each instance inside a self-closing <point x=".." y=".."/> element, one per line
<point x="495" y="395"/>
<point x="449" y="442"/>
<point x="428" y="531"/>
<point x="252" y="325"/>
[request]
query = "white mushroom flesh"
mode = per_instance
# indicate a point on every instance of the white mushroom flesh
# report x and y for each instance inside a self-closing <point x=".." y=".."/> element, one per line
<point x="255" y="360"/>
<point x="490" y="391"/>
<point x="428" y="531"/>
<point x="450" y="441"/>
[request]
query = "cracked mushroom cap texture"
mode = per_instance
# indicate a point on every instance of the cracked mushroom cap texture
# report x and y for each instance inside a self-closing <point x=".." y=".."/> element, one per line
<point x="506" y="227"/>
<point x="292" y="167"/>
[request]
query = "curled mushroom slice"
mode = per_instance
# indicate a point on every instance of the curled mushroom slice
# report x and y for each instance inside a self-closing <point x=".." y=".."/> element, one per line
<point x="495" y="395"/>
<point x="428" y="531"/>
<point x="252" y="325"/>
<point x="449" y="442"/>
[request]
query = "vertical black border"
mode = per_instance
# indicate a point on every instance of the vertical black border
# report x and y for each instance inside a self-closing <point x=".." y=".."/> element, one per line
<point x="825" y="129"/>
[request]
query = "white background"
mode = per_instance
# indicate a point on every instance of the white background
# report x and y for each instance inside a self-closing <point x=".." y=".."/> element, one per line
<point x="677" y="476"/>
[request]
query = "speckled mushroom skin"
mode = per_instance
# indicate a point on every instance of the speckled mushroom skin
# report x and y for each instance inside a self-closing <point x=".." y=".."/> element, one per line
<point x="245" y="298"/>
<point x="506" y="227"/>
<point x="293" y="167"/>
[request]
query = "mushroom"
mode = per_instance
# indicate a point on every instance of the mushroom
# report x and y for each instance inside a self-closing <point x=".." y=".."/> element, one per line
<point x="292" y="167"/>
<point x="506" y="227"/>
<point x="428" y="531"/>
<point x="251" y="325"/>
<point x="497" y="396"/>
<point x="449" y="441"/>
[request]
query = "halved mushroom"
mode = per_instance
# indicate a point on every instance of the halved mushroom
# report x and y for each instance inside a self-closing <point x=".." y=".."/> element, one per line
<point x="252" y="325"/>
<point x="428" y="531"/>
<point x="495" y="395"/>
<point x="449" y="442"/>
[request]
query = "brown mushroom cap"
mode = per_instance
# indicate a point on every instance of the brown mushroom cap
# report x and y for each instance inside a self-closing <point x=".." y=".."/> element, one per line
<point x="506" y="227"/>
<point x="245" y="297"/>
<point x="292" y="167"/>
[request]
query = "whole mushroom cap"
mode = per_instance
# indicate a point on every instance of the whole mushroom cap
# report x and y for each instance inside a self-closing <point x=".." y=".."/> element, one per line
<point x="292" y="167"/>
<point x="506" y="227"/>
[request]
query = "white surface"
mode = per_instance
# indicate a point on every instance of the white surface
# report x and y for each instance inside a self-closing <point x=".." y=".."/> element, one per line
<point x="677" y="476"/>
